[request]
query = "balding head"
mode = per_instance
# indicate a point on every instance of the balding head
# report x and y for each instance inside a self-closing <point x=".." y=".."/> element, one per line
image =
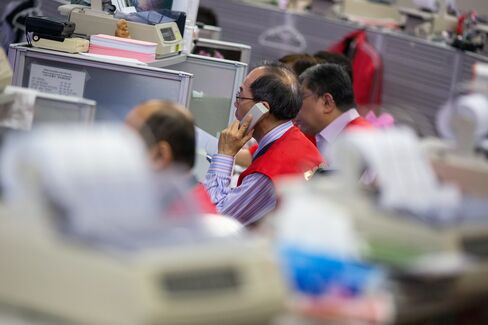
<point x="167" y="129"/>
<point x="279" y="86"/>
<point x="140" y="114"/>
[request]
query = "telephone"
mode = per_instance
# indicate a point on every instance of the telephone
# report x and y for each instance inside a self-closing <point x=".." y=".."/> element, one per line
<point x="257" y="112"/>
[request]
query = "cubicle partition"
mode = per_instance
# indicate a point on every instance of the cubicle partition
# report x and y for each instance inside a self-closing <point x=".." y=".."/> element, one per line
<point x="49" y="108"/>
<point x="215" y="85"/>
<point x="417" y="79"/>
<point x="115" y="86"/>
<point x="118" y="86"/>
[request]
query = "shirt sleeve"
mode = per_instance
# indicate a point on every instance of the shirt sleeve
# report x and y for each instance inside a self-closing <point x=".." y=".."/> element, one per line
<point x="248" y="202"/>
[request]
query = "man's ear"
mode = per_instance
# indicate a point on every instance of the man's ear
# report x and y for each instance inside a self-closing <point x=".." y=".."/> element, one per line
<point x="162" y="155"/>
<point x="266" y="104"/>
<point x="328" y="102"/>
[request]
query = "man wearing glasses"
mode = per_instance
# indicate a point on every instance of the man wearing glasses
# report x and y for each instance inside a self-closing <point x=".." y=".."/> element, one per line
<point x="282" y="147"/>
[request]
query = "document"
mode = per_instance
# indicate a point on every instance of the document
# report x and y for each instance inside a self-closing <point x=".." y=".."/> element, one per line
<point x="55" y="80"/>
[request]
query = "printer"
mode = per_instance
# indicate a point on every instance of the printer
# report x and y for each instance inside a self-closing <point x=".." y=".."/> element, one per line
<point x="90" y="21"/>
<point x="81" y="253"/>
<point x="400" y="237"/>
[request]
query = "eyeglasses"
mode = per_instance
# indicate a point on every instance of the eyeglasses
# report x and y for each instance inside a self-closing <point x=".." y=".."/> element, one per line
<point x="239" y="97"/>
<point x="307" y="95"/>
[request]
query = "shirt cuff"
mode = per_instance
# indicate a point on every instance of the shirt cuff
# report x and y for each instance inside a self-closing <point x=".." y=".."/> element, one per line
<point x="221" y="164"/>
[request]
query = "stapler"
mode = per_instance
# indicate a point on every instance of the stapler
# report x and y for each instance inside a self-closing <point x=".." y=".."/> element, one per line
<point x="49" y="33"/>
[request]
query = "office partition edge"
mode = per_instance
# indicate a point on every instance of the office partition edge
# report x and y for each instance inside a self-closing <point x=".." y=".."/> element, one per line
<point x="17" y="60"/>
<point x="184" y="97"/>
<point x="241" y="72"/>
<point x="116" y="66"/>
<point x="240" y="75"/>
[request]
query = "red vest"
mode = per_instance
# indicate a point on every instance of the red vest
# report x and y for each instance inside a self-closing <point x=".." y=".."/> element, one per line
<point x="201" y="196"/>
<point x="292" y="154"/>
<point x="311" y="138"/>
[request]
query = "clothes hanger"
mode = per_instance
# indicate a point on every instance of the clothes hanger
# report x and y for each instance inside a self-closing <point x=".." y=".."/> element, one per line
<point x="284" y="37"/>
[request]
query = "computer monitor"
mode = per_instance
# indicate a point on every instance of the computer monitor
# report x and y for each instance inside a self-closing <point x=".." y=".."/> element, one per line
<point x="223" y="50"/>
<point x="209" y="32"/>
<point x="47" y="108"/>
<point x="50" y="108"/>
<point x="215" y="84"/>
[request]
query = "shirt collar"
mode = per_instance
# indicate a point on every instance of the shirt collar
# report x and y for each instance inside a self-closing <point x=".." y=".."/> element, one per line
<point x="331" y="131"/>
<point x="273" y="135"/>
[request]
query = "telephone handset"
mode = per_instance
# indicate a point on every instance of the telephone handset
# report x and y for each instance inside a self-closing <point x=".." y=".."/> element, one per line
<point x="257" y="112"/>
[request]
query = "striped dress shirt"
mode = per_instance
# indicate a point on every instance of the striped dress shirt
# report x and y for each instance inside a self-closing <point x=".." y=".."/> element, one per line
<point x="255" y="197"/>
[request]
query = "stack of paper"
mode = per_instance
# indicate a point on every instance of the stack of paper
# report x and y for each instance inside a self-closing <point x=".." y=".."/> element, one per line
<point x="122" y="47"/>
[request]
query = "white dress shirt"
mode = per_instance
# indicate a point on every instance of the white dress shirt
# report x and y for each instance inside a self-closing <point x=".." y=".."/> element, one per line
<point x="332" y="131"/>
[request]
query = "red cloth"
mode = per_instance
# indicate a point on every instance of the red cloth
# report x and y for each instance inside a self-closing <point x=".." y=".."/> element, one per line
<point x="200" y="201"/>
<point x="359" y="123"/>
<point x="311" y="138"/>
<point x="292" y="154"/>
<point x="253" y="148"/>
<point x="201" y="196"/>
<point x="367" y="67"/>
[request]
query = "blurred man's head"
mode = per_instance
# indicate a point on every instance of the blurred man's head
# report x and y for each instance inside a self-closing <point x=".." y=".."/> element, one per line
<point x="340" y="59"/>
<point x="168" y="132"/>
<point x="299" y="62"/>
<point x="327" y="93"/>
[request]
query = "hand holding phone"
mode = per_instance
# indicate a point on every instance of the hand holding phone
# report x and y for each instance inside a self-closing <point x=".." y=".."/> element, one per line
<point x="235" y="135"/>
<point x="257" y="112"/>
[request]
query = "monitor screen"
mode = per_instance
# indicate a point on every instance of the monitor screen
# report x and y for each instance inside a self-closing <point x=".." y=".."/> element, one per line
<point x="148" y="5"/>
<point x="168" y="34"/>
<point x="209" y="32"/>
<point x="55" y="109"/>
<point x="223" y="50"/>
<point x="22" y="108"/>
<point x="234" y="55"/>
